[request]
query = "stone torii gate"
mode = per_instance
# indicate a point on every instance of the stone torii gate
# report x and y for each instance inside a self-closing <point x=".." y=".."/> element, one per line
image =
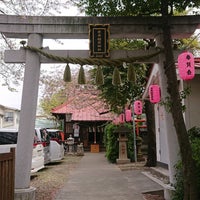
<point x="35" y="29"/>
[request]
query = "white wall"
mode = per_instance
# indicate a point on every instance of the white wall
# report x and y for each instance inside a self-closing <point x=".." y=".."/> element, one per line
<point x="9" y="124"/>
<point x="192" y="102"/>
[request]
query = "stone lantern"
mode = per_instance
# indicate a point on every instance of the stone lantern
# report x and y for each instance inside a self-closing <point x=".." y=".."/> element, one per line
<point x="70" y="143"/>
<point x="122" y="132"/>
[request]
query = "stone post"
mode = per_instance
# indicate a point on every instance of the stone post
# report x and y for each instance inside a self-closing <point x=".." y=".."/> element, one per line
<point x="139" y="150"/>
<point x="122" y="131"/>
<point x="80" y="150"/>
<point x="70" y="143"/>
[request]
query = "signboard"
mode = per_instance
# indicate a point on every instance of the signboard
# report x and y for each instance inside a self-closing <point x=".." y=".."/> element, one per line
<point x="99" y="35"/>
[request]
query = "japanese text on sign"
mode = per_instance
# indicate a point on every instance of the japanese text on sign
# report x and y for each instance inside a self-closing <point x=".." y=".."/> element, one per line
<point x="99" y="40"/>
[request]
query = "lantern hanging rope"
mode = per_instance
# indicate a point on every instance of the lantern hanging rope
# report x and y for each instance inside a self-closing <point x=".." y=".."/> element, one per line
<point x="67" y="74"/>
<point x="92" y="61"/>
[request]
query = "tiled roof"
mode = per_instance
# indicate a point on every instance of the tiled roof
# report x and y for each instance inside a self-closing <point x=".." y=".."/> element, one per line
<point x="197" y="62"/>
<point x="85" y="107"/>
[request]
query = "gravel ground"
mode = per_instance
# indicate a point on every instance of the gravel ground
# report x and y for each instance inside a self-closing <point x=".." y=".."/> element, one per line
<point x="50" y="179"/>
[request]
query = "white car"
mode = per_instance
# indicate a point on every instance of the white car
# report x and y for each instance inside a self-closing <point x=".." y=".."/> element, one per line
<point x="8" y="139"/>
<point x="37" y="158"/>
<point x="42" y="137"/>
<point x="56" y="145"/>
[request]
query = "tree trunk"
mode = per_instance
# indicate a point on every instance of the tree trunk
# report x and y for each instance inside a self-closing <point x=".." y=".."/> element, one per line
<point x="151" y="154"/>
<point x="190" y="189"/>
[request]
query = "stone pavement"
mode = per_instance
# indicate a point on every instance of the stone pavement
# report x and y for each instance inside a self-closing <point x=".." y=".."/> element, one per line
<point x="96" y="179"/>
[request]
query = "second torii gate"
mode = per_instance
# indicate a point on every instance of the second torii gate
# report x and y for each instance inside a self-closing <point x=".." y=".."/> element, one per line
<point x="35" y="29"/>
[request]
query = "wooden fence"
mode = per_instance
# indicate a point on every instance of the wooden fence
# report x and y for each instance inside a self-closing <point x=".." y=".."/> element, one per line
<point x="7" y="175"/>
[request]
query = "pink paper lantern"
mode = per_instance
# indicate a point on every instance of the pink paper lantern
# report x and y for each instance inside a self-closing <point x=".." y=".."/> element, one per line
<point x="154" y="93"/>
<point x="116" y="121"/>
<point x="128" y="115"/>
<point x="186" y="66"/>
<point x="138" y="107"/>
<point x="121" y="118"/>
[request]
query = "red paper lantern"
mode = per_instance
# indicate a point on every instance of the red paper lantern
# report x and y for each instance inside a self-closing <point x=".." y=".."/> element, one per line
<point x="186" y="66"/>
<point x="154" y="93"/>
<point x="128" y="115"/>
<point x="138" y="107"/>
<point x="121" y="118"/>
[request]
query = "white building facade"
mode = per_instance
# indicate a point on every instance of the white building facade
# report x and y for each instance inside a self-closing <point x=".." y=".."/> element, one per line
<point x="9" y="117"/>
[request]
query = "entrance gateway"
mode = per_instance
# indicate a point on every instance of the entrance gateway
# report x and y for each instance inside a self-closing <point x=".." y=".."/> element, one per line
<point x="35" y="29"/>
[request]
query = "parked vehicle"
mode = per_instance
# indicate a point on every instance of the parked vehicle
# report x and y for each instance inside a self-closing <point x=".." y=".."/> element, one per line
<point x="41" y="136"/>
<point x="56" y="144"/>
<point x="38" y="153"/>
<point x="8" y="139"/>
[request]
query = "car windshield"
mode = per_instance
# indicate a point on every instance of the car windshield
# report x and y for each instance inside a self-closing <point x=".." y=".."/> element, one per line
<point x="54" y="134"/>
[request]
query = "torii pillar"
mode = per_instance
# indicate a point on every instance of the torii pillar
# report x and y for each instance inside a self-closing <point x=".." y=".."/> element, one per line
<point x="172" y="140"/>
<point x="27" y="121"/>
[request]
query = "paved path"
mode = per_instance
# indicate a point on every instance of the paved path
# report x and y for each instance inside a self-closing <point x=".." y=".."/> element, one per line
<point x="96" y="179"/>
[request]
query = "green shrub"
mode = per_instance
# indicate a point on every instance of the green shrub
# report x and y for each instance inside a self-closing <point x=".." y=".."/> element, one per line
<point x="112" y="145"/>
<point x="194" y="136"/>
<point x="179" y="192"/>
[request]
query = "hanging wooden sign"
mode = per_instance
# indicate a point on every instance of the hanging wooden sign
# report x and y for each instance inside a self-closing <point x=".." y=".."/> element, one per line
<point x="99" y="35"/>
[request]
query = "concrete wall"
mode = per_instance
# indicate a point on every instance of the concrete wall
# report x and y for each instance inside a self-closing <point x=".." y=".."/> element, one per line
<point x="192" y="102"/>
<point x="161" y="135"/>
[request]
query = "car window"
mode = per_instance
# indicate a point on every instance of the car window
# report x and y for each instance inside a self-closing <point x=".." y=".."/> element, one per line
<point x="44" y="135"/>
<point x="8" y="137"/>
<point x="54" y="134"/>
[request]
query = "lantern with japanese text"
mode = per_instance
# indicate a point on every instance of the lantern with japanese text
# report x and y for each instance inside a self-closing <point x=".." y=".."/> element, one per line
<point x="121" y="118"/>
<point x="154" y="93"/>
<point x="138" y="107"/>
<point x="128" y="115"/>
<point x="186" y="66"/>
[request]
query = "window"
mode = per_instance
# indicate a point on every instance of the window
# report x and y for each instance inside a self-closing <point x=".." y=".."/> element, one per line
<point x="8" y="137"/>
<point x="9" y="117"/>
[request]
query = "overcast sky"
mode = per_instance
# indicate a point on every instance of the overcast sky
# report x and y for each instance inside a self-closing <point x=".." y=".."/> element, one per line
<point x="10" y="99"/>
<point x="13" y="99"/>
